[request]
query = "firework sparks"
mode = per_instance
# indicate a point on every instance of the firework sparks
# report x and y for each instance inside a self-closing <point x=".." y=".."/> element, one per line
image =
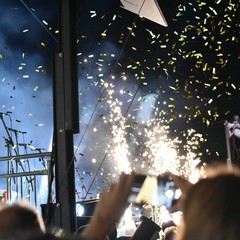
<point x="157" y="152"/>
<point x="119" y="149"/>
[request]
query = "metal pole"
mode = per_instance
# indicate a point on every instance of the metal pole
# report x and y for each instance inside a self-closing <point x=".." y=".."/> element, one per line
<point x="66" y="114"/>
<point x="228" y="137"/>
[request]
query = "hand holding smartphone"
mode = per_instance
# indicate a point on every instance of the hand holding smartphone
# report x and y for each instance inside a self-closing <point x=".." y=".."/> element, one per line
<point x="153" y="190"/>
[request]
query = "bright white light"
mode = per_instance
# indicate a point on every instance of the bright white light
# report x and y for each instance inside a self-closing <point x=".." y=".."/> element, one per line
<point x="178" y="193"/>
<point x="176" y="217"/>
<point x="158" y="152"/>
<point x="169" y="193"/>
<point x="79" y="210"/>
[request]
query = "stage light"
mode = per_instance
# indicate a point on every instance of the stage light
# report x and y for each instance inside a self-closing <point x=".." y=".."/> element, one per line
<point x="234" y="126"/>
<point x="232" y="132"/>
<point x="169" y="193"/>
<point x="79" y="209"/>
<point x="178" y="193"/>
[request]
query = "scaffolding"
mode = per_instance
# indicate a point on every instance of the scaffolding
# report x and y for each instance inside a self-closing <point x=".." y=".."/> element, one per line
<point x="21" y="181"/>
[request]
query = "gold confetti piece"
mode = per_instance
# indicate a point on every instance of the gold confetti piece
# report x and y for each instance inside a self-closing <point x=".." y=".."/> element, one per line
<point x="40" y="124"/>
<point x="45" y="22"/>
<point x="210" y="101"/>
<point x="104" y="33"/>
<point x="151" y="33"/>
<point x="93" y="14"/>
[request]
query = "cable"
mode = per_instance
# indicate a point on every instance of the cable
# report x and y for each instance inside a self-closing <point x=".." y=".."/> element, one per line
<point x="39" y="21"/>
<point x="120" y="54"/>
<point x="109" y="147"/>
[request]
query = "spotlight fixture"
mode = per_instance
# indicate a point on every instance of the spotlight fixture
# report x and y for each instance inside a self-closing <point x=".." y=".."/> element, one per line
<point x="234" y="126"/>
<point x="232" y="132"/>
<point x="79" y="210"/>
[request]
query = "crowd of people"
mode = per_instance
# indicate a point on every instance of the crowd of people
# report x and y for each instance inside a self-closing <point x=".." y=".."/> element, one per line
<point x="210" y="210"/>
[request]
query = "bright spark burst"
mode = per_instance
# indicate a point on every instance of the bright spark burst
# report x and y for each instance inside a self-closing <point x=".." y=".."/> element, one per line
<point x="156" y="151"/>
<point x="160" y="153"/>
<point x="119" y="150"/>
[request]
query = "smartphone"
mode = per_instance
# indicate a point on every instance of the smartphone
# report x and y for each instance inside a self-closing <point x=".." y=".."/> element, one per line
<point x="153" y="190"/>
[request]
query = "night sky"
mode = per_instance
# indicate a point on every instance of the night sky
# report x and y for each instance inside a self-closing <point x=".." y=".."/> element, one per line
<point x="185" y="77"/>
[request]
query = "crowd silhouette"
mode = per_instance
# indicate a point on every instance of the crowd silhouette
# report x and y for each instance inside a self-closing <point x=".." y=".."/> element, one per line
<point x="210" y="211"/>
